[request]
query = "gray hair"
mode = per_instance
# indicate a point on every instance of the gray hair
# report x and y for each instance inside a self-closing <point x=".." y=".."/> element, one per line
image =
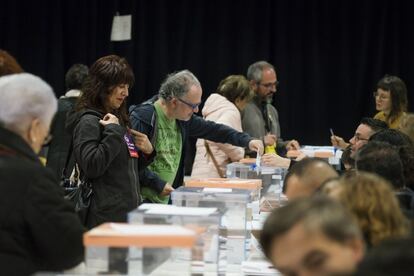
<point x="23" y="98"/>
<point x="177" y="84"/>
<point x="319" y="213"/>
<point x="255" y="71"/>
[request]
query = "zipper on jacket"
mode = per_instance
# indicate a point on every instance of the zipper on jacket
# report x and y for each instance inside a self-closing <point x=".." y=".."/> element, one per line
<point x="131" y="164"/>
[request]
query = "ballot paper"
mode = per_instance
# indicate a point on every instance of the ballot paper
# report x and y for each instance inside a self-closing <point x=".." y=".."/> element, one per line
<point x="188" y="211"/>
<point x="154" y="230"/>
<point x="258" y="161"/>
<point x="253" y="268"/>
<point x="217" y="190"/>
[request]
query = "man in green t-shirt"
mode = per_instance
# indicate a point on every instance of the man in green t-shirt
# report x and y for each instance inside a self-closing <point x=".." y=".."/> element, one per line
<point x="168" y="120"/>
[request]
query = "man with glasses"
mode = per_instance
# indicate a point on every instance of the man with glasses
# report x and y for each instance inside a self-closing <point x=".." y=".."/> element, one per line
<point x="312" y="236"/>
<point x="168" y="120"/>
<point x="260" y="118"/>
<point x="367" y="127"/>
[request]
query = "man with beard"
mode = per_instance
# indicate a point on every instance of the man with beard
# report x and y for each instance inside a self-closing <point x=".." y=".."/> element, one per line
<point x="260" y="118"/>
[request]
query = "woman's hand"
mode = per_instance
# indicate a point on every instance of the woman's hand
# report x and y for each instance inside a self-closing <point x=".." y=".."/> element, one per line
<point x="109" y="119"/>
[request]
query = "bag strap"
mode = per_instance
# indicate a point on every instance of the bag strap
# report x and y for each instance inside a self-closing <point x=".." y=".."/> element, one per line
<point x="68" y="157"/>
<point x="63" y="176"/>
<point x="220" y="172"/>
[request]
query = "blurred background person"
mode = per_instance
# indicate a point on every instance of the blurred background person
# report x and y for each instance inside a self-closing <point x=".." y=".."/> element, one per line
<point x="224" y="107"/>
<point x="59" y="146"/>
<point x="382" y="159"/>
<point x="407" y="125"/>
<point x="391" y="100"/>
<point x="39" y="229"/>
<point x="103" y="146"/>
<point x="8" y="64"/>
<point x="312" y="236"/>
<point x="372" y="202"/>
<point x="391" y="257"/>
<point x="306" y="176"/>
<point x="347" y="161"/>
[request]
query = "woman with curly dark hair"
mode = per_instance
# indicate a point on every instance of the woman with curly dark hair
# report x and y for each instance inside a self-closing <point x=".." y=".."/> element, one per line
<point x="107" y="152"/>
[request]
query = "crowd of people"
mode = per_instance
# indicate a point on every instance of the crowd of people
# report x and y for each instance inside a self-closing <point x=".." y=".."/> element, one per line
<point x="335" y="222"/>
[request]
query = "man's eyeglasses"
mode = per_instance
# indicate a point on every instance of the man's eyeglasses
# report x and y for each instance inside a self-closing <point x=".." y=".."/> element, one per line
<point x="270" y="84"/>
<point x="380" y="96"/>
<point x="192" y="106"/>
<point x="358" y="138"/>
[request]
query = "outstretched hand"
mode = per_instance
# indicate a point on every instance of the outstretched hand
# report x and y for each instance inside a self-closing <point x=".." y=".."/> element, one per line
<point x="256" y="145"/>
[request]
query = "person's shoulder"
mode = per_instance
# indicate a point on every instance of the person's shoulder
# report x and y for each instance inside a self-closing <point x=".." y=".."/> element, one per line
<point x="27" y="171"/>
<point x="142" y="110"/>
<point x="379" y="116"/>
<point x="250" y="110"/>
<point x="139" y="108"/>
<point x="250" y="105"/>
<point x="90" y="114"/>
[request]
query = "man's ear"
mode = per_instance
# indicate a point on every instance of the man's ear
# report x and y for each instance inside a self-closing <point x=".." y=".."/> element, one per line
<point x="32" y="132"/>
<point x="173" y="101"/>
<point x="253" y="85"/>
<point x="358" y="248"/>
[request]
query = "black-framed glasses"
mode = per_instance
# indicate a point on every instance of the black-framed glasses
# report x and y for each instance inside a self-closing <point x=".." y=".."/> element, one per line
<point x="358" y="138"/>
<point x="192" y="106"/>
<point x="270" y="84"/>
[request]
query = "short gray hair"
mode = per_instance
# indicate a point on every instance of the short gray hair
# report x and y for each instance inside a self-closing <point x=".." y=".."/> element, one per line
<point x="255" y="71"/>
<point x="24" y="97"/>
<point x="177" y="84"/>
<point x="318" y="213"/>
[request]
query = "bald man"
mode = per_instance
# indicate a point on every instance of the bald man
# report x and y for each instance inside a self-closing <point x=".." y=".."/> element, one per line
<point x="306" y="176"/>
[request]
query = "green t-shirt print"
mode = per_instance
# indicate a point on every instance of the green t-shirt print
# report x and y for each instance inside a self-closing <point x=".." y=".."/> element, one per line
<point x="169" y="146"/>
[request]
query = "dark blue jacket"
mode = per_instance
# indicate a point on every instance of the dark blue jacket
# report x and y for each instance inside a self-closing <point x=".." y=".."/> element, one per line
<point x="143" y="119"/>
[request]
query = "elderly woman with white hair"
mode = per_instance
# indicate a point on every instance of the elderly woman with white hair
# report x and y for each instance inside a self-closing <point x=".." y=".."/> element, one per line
<point x="39" y="230"/>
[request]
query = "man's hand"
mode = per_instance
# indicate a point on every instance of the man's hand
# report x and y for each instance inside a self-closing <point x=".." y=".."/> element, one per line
<point x="270" y="139"/>
<point x="109" y="119"/>
<point x="256" y="145"/>
<point x="338" y="142"/>
<point x="142" y="142"/>
<point x="167" y="190"/>
<point x="293" y="145"/>
<point x="274" y="160"/>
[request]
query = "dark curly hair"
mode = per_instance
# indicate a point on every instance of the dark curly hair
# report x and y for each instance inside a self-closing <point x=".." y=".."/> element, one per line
<point x="104" y="75"/>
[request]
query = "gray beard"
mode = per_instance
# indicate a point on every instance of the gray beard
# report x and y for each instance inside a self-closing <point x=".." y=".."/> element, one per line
<point x="268" y="99"/>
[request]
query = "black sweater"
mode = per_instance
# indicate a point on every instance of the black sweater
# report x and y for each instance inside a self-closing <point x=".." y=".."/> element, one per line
<point x="39" y="230"/>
